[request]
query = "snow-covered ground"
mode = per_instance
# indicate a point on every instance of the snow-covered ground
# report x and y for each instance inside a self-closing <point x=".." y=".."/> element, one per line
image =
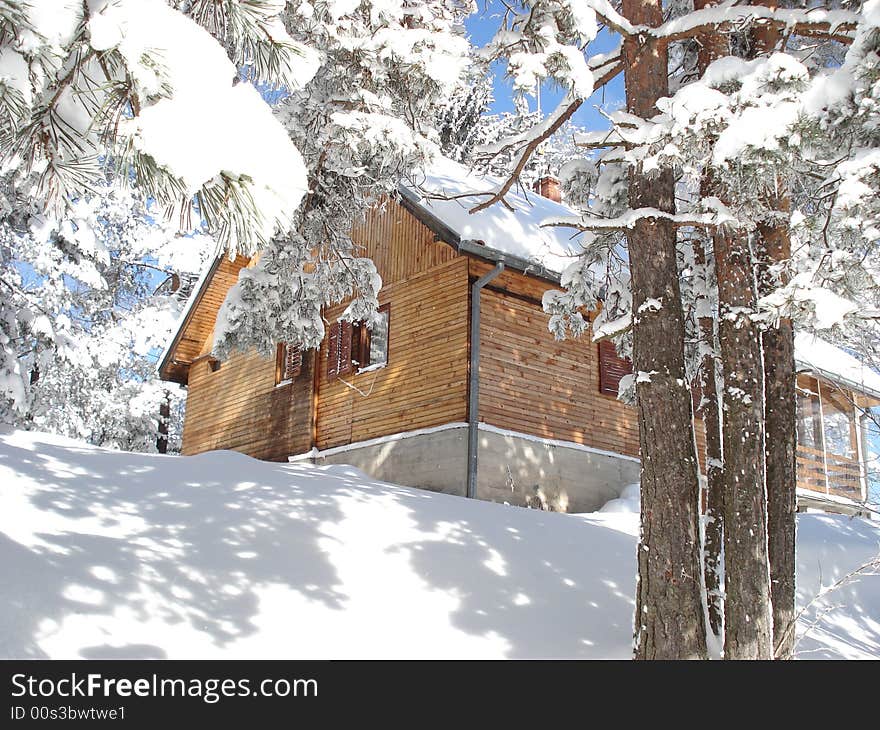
<point x="109" y="554"/>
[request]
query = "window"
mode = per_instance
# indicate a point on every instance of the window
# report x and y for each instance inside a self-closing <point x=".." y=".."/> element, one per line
<point x="372" y="343"/>
<point x="288" y="362"/>
<point x="357" y="347"/>
<point x="809" y="421"/>
<point x="611" y="368"/>
<point x="838" y="437"/>
<point x="839" y="424"/>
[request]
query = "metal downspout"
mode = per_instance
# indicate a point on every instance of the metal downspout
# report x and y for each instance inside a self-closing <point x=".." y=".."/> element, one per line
<point x="474" y="385"/>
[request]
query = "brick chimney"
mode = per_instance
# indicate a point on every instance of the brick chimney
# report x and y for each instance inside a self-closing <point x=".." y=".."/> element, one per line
<point x="548" y="186"/>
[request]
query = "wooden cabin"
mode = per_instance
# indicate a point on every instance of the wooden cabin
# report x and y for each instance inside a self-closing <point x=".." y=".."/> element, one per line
<point x="460" y="387"/>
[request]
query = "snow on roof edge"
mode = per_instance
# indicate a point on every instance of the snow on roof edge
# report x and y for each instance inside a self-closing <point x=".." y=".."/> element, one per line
<point x="446" y="191"/>
<point x="185" y="313"/>
<point x="835" y="364"/>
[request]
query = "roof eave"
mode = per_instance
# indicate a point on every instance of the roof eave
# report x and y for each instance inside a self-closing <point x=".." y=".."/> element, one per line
<point x="803" y="366"/>
<point x="493" y="255"/>
<point x="412" y="202"/>
<point x="192" y="304"/>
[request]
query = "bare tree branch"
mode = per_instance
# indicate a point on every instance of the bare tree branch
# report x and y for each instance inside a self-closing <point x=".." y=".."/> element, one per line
<point x="563" y="114"/>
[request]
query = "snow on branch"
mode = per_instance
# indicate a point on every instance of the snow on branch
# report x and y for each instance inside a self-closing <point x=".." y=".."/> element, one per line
<point x="615" y="21"/>
<point x="599" y="139"/>
<point x="519" y="140"/>
<point x="614" y="328"/>
<point x="836" y="24"/>
<point x="532" y="138"/>
<point x="601" y="64"/>
<point x="631" y="218"/>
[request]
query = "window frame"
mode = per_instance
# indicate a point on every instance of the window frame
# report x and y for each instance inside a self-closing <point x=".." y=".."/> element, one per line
<point x="362" y="341"/>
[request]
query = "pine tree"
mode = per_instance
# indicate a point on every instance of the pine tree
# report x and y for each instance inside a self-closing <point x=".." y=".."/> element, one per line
<point x="365" y="122"/>
<point x="780" y="416"/>
<point x="737" y="129"/>
<point x="462" y="118"/>
<point x="669" y="615"/>
<point x="90" y="301"/>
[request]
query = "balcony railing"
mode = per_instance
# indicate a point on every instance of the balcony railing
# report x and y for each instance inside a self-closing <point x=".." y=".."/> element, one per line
<point x="843" y="473"/>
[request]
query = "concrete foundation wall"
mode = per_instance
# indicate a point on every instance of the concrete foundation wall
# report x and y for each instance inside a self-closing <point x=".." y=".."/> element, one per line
<point x="435" y="460"/>
<point x="548" y="476"/>
<point x="512" y="468"/>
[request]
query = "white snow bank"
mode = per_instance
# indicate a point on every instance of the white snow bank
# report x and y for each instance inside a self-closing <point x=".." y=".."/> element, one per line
<point x="840" y="616"/>
<point x="627" y="503"/>
<point x="111" y="554"/>
<point x="449" y="190"/>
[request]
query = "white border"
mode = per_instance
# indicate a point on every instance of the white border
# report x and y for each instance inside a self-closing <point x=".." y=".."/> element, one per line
<point x="313" y="453"/>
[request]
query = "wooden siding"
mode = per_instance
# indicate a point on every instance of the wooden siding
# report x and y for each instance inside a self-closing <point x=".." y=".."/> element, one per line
<point x="238" y="407"/>
<point x="511" y="281"/>
<point x="399" y="244"/>
<point x="530" y="382"/>
<point x="200" y="323"/>
<point x="424" y="383"/>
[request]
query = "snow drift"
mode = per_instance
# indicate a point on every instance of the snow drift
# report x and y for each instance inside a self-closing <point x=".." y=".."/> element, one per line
<point x="109" y="554"/>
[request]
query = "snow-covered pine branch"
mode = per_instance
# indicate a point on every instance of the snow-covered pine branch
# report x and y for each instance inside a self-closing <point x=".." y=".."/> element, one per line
<point x="136" y="88"/>
<point x="631" y="218"/>
<point x="365" y="121"/>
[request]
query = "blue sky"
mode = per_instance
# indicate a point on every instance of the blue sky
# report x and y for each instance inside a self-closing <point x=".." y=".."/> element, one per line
<point x="481" y="26"/>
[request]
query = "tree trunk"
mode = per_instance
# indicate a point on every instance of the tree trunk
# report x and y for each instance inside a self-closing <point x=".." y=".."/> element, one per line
<point x="164" y="418"/>
<point x="713" y="533"/>
<point x="780" y="413"/>
<point x="779" y="379"/>
<point x="780" y="406"/>
<point x="669" y="620"/>
<point x="748" y="624"/>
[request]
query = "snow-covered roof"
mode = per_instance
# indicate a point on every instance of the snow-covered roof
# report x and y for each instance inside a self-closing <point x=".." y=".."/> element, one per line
<point x="829" y="361"/>
<point x="448" y="190"/>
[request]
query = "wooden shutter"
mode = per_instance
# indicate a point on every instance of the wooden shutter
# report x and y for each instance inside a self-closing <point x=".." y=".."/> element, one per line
<point x="288" y="362"/>
<point x="339" y="350"/>
<point x="611" y="368"/>
<point x="333" y="352"/>
<point x="293" y="361"/>
<point x="345" y="335"/>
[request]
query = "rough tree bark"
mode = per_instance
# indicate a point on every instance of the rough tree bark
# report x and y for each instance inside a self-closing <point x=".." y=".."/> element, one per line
<point x="780" y="415"/>
<point x="711" y="46"/>
<point x="748" y="624"/>
<point x="781" y="435"/>
<point x="713" y="532"/>
<point x="669" y="620"/>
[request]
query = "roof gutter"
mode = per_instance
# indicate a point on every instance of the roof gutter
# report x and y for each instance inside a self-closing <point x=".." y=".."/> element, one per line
<point x="479" y="249"/>
<point x="474" y="373"/>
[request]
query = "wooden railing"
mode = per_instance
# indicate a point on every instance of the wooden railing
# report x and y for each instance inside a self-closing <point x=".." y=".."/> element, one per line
<point x="844" y="476"/>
